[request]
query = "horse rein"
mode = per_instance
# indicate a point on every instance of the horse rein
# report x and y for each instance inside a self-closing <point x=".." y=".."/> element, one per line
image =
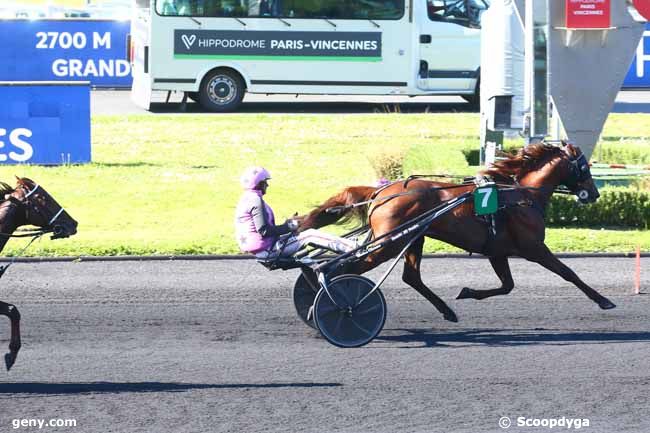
<point x="578" y="167"/>
<point x="338" y="209"/>
<point x="3" y="268"/>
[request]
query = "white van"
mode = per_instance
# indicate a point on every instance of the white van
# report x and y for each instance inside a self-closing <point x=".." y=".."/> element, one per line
<point x="216" y="50"/>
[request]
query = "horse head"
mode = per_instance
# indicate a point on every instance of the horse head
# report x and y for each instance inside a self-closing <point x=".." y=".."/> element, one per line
<point x="578" y="175"/>
<point x="546" y="166"/>
<point x="42" y="210"/>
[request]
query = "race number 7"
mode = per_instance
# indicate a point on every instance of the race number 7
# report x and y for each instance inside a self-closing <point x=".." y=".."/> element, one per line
<point x="487" y="192"/>
<point x="485" y="200"/>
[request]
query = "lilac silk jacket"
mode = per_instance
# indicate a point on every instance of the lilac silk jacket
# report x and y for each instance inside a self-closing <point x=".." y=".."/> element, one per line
<point x="251" y="213"/>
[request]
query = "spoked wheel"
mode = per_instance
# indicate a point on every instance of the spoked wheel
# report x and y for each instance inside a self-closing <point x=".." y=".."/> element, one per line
<point x="345" y="320"/>
<point x="304" y="294"/>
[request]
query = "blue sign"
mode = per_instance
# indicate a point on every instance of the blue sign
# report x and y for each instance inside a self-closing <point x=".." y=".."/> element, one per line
<point x="65" y="50"/>
<point x="42" y="123"/>
<point x="639" y="73"/>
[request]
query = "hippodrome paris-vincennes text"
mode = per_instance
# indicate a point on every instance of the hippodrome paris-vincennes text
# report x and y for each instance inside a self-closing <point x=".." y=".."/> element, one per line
<point x="284" y="44"/>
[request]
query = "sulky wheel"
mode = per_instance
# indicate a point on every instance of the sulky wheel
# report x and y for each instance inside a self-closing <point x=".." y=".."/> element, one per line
<point x="342" y="320"/>
<point x="304" y="294"/>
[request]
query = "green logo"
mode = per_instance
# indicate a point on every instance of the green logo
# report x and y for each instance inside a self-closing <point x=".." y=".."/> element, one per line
<point x="485" y="200"/>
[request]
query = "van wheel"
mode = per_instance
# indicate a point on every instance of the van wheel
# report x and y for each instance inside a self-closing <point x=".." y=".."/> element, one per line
<point x="221" y="91"/>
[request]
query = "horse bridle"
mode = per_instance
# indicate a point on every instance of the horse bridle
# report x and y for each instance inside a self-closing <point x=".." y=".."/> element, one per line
<point x="34" y="234"/>
<point x="578" y="172"/>
<point x="30" y="205"/>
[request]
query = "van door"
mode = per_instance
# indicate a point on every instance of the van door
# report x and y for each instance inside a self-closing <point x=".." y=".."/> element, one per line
<point x="449" y="44"/>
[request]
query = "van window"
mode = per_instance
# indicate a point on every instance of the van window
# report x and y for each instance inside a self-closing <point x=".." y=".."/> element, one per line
<point x="317" y="9"/>
<point x="463" y="12"/>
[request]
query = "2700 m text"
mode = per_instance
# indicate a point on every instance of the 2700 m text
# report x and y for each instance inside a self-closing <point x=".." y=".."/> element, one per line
<point x="67" y="40"/>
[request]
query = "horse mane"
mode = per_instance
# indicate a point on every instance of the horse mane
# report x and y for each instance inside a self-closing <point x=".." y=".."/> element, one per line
<point x="5" y="189"/>
<point x="319" y="217"/>
<point x="527" y="159"/>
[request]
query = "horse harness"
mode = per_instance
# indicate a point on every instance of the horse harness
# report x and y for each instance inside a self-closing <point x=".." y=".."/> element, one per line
<point x="510" y="195"/>
<point x="517" y="196"/>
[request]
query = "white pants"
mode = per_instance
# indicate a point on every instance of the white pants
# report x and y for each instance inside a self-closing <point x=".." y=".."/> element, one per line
<point x="289" y="246"/>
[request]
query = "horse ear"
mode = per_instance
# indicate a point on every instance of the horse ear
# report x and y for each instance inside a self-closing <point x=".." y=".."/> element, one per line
<point x="569" y="147"/>
<point x="19" y="180"/>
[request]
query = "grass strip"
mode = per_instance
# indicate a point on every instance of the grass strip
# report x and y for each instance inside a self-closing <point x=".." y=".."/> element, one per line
<point x="163" y="184"/>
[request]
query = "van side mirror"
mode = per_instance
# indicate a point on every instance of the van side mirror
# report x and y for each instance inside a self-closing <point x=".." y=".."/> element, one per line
<point x="474" y="10"/>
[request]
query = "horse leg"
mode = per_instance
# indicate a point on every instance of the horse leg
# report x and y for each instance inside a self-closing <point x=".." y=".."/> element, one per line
<point x="413" y="278"/>
<point x="545" y="257"/>
<point x="12" y="313"/>
<point x="502" y="269"/>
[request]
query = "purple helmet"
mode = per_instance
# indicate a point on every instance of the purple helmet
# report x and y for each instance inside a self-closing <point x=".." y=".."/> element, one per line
<point x="252" y="176"/>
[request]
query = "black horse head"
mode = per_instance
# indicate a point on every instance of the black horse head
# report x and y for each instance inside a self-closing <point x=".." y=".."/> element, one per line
<point x="42" y="210"/>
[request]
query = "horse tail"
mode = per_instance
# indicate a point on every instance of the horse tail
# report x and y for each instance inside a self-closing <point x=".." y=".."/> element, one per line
<point x="339" y="208"/>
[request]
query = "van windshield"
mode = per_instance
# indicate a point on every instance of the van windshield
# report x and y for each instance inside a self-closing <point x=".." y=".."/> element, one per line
<point x="319" y="9"/>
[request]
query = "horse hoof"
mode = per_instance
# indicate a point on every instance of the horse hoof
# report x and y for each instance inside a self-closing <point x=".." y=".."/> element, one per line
<point x="10" y="358"/>
<point x="606" y="304"/>
<point x="451" y="316"/>
<point x="466" y="293"/>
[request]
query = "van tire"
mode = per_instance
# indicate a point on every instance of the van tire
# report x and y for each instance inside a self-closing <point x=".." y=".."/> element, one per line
<point x="221" y="90"/>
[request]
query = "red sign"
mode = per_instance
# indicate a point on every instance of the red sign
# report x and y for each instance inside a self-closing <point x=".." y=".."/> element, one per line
<point x="588" y="14"/>
<point x="643" y="7"/>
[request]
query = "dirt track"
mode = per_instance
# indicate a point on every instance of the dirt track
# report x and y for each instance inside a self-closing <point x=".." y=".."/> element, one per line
<point x="214" y="346"/>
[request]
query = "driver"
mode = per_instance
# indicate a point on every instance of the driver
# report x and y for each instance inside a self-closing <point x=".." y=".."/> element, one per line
<point x="255" y="227"/>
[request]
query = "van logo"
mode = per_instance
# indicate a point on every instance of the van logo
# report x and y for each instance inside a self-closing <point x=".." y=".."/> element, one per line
<point x="267" y="45"/>
<point x="188" y="40"/>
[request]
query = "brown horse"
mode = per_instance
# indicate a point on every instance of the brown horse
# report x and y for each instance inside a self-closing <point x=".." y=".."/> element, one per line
<point x="531" y="177"/>
<point x="28" y="204"/>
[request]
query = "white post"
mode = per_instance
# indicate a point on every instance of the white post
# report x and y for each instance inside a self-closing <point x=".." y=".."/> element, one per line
<point x="529" y="66"/>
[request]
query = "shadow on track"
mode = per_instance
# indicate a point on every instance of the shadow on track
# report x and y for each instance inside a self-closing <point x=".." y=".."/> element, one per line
<point x="136" y="387"/>
<point x="508" y="338"/>
<point x="326" y="107"/>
